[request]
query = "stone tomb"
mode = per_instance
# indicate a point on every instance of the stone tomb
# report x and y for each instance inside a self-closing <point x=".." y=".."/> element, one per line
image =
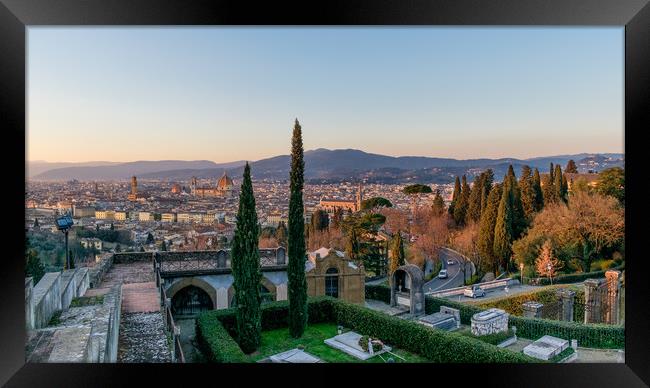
<point x="447" y="319"/>
<point x="349" y="343"/>
<point x="295" y="356"/>
<point x="490" y="321"/>
<point x="546" y="347"/>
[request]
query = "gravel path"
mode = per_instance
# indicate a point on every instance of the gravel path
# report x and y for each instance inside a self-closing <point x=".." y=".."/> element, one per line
<point x="143" y="338"/>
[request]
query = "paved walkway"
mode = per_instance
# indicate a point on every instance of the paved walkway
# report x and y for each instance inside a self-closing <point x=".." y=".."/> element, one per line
<point x="142" y="329"/>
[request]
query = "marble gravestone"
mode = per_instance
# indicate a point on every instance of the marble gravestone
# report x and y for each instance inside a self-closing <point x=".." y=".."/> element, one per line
<point x="490" y="321"/>
<point x="546" y="347"/>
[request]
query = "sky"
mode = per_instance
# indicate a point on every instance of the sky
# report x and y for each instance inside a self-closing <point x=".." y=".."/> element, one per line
<point x="233" y="93"/>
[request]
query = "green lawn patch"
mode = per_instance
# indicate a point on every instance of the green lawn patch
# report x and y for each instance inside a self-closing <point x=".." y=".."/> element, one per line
<point x="279" y="340"/>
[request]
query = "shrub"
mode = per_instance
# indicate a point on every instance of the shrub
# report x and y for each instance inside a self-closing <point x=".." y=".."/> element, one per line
<point x="562" y="355"/>
<point x="493" y="339"/>
<point x="378" y="292"/>
<point x="363" y="342"/>
<point x="514" y="304"/>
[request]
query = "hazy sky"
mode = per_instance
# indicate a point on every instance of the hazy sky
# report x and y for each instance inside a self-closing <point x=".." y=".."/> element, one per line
<point x="224" y="94"/>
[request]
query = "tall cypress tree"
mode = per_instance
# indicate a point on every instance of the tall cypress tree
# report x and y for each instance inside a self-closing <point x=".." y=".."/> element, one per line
<point x="519" y="222"/>
<point x="558" y="186"/>
<point x="438" y="206"/>
<point x="460" y="209"/>
<point x="537" y="190"/>
<point x="503" y="233"/>
<point x="397" y="256"/>
<point x="297" y="291"/>
<point x="526" y="186"/>
<point x="486" y="229"/>
<point x="475" y="197"/>
<point x="571" y="167"/>
<point x="246" y="269"/>
<point x="455" y="197"/>
<point x="548" y="187"/>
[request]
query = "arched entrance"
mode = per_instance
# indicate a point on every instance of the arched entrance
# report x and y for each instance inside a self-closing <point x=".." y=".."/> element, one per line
<point x="332" y="282"/>
<point x="191" y="300"/>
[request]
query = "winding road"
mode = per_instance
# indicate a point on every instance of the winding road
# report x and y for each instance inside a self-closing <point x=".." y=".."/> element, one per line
<point x="454" y="272"/>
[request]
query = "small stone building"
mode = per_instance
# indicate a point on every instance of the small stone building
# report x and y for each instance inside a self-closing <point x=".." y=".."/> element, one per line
<point x="330" y="272"/>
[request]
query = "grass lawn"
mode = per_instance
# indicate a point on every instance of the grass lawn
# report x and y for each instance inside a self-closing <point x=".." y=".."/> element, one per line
<point x="279" y="340"/>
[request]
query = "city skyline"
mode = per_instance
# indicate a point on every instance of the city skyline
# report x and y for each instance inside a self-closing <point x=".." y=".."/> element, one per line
<point x="228" y="94"/>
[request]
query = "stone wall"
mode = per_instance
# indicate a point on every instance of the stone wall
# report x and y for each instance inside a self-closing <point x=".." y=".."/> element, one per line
<point x="131" y="257"/>
<point x="105" y="327"/>
<point x="68" y="288"/>
<point x="96" y="273"/>
<point x="29" y="305"/>
<point x="46" y="298"/>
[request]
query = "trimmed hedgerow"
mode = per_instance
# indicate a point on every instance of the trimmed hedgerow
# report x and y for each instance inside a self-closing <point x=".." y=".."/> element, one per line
<point x="588" y="335"/>
<point x="573" y="278"/>
<point x="436" y="345"/>
<point x="514" y="304"/>
<point x="216" y="330"/>
<point x="378" y="292"/>
<point x="493" y="339"/>
<point x="215" y="342"/>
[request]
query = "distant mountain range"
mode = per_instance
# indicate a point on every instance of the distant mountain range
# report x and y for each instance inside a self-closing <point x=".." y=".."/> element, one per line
<point x="329" y="166"/>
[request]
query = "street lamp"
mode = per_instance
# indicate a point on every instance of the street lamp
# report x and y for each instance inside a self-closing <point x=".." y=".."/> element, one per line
<point x="64" y="224"/>
<point x="521" y="271"/>
<point x="548" y="267"/>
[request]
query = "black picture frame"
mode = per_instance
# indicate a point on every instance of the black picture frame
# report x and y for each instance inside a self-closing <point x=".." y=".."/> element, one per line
<point x="17" y="15"/>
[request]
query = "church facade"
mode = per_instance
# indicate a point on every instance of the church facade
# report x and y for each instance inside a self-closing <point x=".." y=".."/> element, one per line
<point x="223" y="189"/>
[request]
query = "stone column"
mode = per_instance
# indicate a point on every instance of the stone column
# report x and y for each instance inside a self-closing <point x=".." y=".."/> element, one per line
<point x="567" y="298"/>
<point x="532" y="309"/>
<point x="613" y="293"/>
<point x="592" y="300"/>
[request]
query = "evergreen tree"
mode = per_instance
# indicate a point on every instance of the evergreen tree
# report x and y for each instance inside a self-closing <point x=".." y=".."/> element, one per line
<point x="475" y="199"/>
<point x="537" y="190"/>
<point x="149" y="238"/>
<point x="36" y="225"/>
<point x="438" y="206"/>
<point x="559" y="184"/>
<point x="112" y="226"/>
<point x="503" y="233"/>
<point x="571" y="167"/>
<point x="460" y="208"/>
<point x="319" y="220"/>
<point x="455" y="196"/>
<point x="548" y="188"/>
<point x="526" y="186"/>
<point x="488" y="180"/>
<point x="397" y="256"/>
<point x="486" y="229"/>
<point x="337" y="218"/>
<point x="352" y="244"/>
<point x="297" y="290"/>
<point x="519" y="222"/>
<point x="281" y="233"/>
<point x="97" y="228"/>
<point x="163" y="246"/>
<point x="141" y="249"/>
<point x="33" y="266"/>
<point x="246" y="269"/>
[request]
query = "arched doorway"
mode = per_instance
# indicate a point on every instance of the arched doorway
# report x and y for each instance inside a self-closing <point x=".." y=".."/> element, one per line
<point x="191" y="300"/>
<point x="332" y="282"/>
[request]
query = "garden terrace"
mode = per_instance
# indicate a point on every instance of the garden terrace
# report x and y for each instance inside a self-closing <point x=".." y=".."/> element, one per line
<point x="216" y="334"/>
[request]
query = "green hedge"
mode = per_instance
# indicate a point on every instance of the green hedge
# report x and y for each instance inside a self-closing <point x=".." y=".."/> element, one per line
<point x="436" y="345"/>
<point x="216" y="329"/>
<point x="215" y="342"/>
<point x="378" y="292"/>
<point x="574" y="278"/>
<point x="590" y="335"/>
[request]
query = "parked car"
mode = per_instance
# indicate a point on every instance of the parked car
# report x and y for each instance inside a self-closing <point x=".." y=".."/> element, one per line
<point x="474" y="291"/>
<point x="450" y="262"/>
<point x="442" y="274"/>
